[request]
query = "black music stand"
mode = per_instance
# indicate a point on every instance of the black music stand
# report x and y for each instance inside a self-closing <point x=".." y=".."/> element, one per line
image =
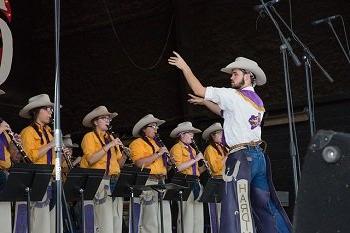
<point x="82" y="184"/>
<point x="129" y="177"/>
<point x="185" y="181"/>
<point x="212" y="192"/>
<point x="27" y="182"/>
<point x="204" y="177"/>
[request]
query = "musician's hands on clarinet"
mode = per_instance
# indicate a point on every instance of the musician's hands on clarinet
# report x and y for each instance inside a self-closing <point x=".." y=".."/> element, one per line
<point x="162" y="150"/>
<point x="199" y="157"/>
<point x="4" y="126"/>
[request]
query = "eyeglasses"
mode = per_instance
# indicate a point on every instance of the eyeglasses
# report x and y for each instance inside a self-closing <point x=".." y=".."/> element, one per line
<point x="153" y="126"/>
<point x="48" y="108"/>
<point x="105" y="118"/>
<point x="216" y="132"/>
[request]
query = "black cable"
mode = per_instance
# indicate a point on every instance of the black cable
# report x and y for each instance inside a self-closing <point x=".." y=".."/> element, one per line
<point x="158" y="60"/>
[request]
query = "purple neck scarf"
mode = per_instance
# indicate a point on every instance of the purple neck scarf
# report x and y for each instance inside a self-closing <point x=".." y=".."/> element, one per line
<point x="194" y="166"/>
<point x="49" y="157"/>
<point x="109" y="155"/>
<point x="49" y="152"/>
<point x="164" y="155"/>
<point x="3" y="143"/>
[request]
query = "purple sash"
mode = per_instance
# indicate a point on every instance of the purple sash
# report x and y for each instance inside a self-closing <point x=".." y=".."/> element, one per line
<point x="253" y="97"/>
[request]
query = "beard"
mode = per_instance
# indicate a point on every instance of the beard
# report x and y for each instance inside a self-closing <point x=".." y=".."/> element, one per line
<point x="238" y="85"/>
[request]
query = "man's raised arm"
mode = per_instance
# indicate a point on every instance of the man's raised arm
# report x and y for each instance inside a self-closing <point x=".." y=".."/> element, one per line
<point x="191" y="79"/>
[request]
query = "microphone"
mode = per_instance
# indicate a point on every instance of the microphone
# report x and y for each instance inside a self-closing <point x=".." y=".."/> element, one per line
<point x="324" y="20"/>
<point x="268" y="4"/>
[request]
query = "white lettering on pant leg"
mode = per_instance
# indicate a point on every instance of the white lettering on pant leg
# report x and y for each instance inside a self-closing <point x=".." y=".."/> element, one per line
<point x="244" y="206"/>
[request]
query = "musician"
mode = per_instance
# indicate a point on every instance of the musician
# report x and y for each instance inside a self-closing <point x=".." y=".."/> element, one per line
<point x="68" y="147"/>
<point x="247" y="167"/>
<point x="186" y="160"/>
<point x="38" y="144"/>
<point x="215" y="154"/>
<point x="146" y="153"/>
<point x="8" y="152"/>
<point x="102" y="151"/>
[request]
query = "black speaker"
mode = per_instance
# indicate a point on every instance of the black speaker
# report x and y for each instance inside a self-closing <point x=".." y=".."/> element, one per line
<point x="323" y="201"/>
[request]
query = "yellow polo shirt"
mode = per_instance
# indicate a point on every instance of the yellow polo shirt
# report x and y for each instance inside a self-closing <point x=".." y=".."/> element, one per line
<point x="83" y="163"/>
<point x="31" y="143"/>
<point x="6" y="162"/>
<point x="91" y="145"/>
<point x="140" y="149"/>
<point x="181" y="154"/>
<point x="215" y="160"/>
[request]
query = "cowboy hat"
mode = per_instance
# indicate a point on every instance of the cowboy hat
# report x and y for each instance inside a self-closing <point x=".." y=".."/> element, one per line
<point x="37" y="101"/>
<point x="249" y="65"/>
<point x="99" y="111"/>
<point x="67" y="141"/>
<point x="211" y="129"/>
<point x="148" y="119"/>
<point x="184" y="127"/>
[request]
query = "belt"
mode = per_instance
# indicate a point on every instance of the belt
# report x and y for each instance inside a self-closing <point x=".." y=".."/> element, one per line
<point x="156" y="177"/>
<point x="218" y="177"/>
<point x="241" y="146"/>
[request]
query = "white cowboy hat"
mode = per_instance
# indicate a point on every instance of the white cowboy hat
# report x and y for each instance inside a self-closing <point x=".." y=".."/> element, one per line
<point x="184" y="127"/>
<point x="249" y="65"/>
<point x="67" y="141"/>
<point x="2" y="92"/>
<point x="37" y="101"/>
<point x="148" y="119"/>
<point x="211" y="129"/>
<point x="99" y="111"/>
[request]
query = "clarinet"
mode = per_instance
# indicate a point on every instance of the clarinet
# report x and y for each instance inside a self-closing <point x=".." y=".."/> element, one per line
<point x="68" y="160"/>
<point x="19" y="147"/>
<point x="123" y="149"/>
<point x="205" y="163"/>
<point x="168" y="156"/>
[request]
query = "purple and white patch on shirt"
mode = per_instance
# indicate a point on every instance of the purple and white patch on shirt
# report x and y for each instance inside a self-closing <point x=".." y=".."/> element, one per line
<point x="255" y="121"/>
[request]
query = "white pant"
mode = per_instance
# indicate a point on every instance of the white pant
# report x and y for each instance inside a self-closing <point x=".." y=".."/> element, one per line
<point x="108" y="214"/>
<point x="5" y="217"/>
<point x="42" y="220"/>
<point x="193" y="216"/>
<point x="150" y="212"/>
